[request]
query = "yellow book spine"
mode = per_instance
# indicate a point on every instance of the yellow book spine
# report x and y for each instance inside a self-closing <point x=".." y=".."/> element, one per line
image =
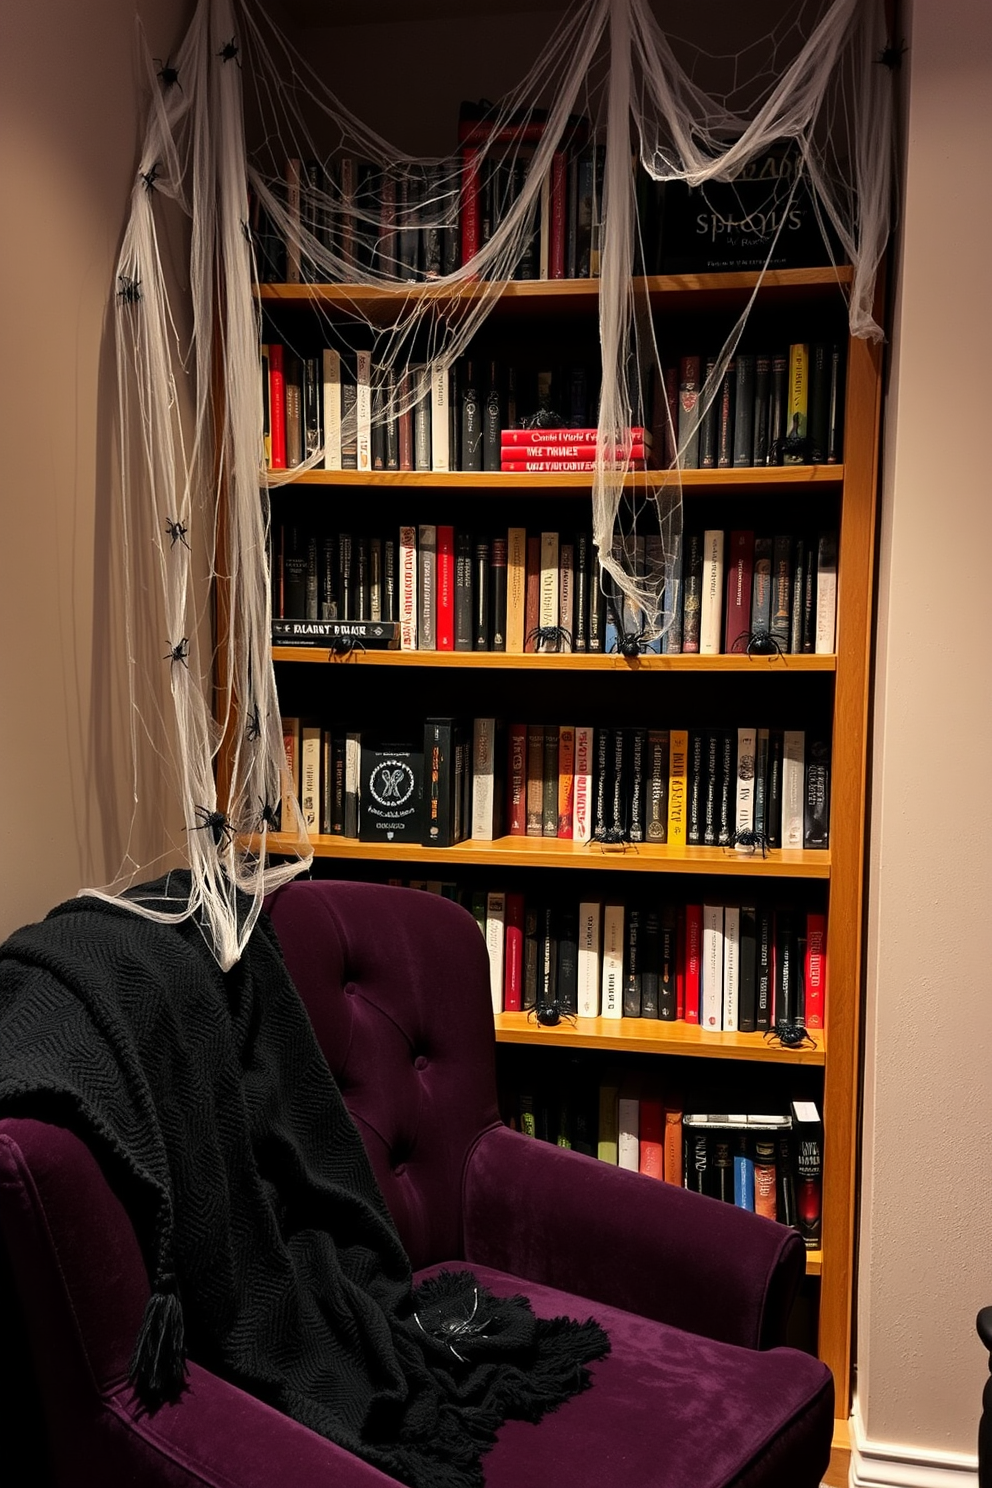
<point x="678" y="794"/>
<point x="516" y="589"/>
<point x="798" y="427"/>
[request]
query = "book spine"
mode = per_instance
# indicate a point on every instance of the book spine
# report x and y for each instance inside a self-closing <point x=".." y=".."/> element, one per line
<point x="463" y="591"/>
<point x="484" y="820"/>
<point x="628" y="1143"/>
<point x="549" y="781"/>
<point x="794" y="449"/>
<point x="513" y="955"/>
<point x="793" y="787"/>
<point x="566" y="781"/>
<point x="517" y="780"/>
<point x="535" y="780"/>
<point x="748" y="968"/>
<point x="444" y="627"/>
<point x="731" y="967"/>
<point x="678" y="789"/>
<point x="363" y="409"/>
<point x="692" y="961"/>
<point x="583" y="792"/>
<point x="495" y="944"/>
<point x="740" y="572"/>
<point x="815" y="971"/>
<point x="744" y="803"/>
<point x="440" y="418"/>
<point x="331" y="368"/>
<point x="481" y="600"/>
<point x="589" y="970"/>
<point x="744" y="409"/>
<point x="471" y="422"/>
<point x="409" y="612"/>
<point x="611" y="1003"/>
<point x="711" y="595"/>
<point x="631" y="999"/>
<point x="427" y="580"/>
<point x="652" y="1138"/>
<point x="549" y="605"/>
<point x="310" y="752"/>
<point x="711" y="968"/>
<point x="826" y="595"/>
<point x="516" y="583"/>
<point x="498" y="582"/>
<point x="816" y="823"/>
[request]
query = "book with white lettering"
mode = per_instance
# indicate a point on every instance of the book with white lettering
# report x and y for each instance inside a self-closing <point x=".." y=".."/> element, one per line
<point x="363" y="408"/>
<point x="793" y="787"/>
<point x="711" y="968"/>
<point x="440" y="418"/>
<point x="711" y="596"/>
<point x="611" y="1003"/>
<point x="427" y="578"/>
<point x="583" y="788"/>
<point x="409" y="610"/>
<point x="495" y="944"/>
<point x="590" y="972"/>
<point x="331" y="364"/>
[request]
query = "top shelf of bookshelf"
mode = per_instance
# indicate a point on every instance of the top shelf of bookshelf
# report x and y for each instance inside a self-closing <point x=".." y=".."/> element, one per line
<point x="564" y="296"/>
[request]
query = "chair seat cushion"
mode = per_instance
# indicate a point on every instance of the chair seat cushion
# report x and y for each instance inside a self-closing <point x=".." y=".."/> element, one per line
<point x="667" y="1409"/>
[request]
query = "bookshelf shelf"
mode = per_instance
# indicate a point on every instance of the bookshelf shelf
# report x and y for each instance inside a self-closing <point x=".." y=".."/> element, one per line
<point x="651" y="1036"/>
<point x="502" y="661"/>
<point x="550" y="852"/>
<point x="752" y="480"/>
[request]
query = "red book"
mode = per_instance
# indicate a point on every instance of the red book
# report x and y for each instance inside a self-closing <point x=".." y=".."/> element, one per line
<point x="693" y="960"/>
<point x="559" y="467"/>
<point x="673" y="1147"/>
<point x="556" y="244"/>
<point x="739" y="566"/>
<point x="277" y="406"/>
<point x="638" y="435"/>
<point x="444" y="632"/>
<point x="532" y="593"/>
<point x="638" y="451"/>
<point x="652" y="1138"/>
<point x="680" y="963"/>
<point x="516" y="780"/>
<point x="513" y="954"/>
<point x="566" y="780"/>
<point x="816" y="969"/>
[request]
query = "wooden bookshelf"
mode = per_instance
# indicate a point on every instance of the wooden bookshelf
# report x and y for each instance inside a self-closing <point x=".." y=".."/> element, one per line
<point x="652" y="1036"/>
<point x="743" y="480"/>
<point x="782" y="665"/>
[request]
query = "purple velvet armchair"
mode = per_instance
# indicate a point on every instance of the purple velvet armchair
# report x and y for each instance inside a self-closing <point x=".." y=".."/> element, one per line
<point x="697" y="1391"/>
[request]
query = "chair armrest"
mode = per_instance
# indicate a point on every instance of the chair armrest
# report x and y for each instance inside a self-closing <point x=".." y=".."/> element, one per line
<point x="557" y="1217"/>
<point x="216" y="1434"/>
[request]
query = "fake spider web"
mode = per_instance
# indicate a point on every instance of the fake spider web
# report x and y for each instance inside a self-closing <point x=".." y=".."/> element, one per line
<point x="195" y="486"/>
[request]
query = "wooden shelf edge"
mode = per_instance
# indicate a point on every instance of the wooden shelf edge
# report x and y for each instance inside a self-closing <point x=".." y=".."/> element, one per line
<point x="751" y="479"/>
<point x="505" y="661"/>
<point x="550" y="852"/>
<point x="652" y="1036"/>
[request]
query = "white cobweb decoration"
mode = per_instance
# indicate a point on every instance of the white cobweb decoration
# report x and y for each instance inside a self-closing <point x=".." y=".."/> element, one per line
<point x="195" y="484"/>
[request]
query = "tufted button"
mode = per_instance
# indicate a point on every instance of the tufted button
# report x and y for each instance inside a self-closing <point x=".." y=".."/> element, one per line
<point x="399" y="1169"/>
<point x="420" y="1063"/>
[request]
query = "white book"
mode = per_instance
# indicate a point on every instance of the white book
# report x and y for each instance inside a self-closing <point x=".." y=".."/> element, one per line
<point x="363" y="408"/>
<point x="825" y="637"/>
<point x="711" y="968"/>
<point x="746" y="750"/>
<point x="628" y="1133"/>
<point x="483" y="779"/>
<point x="332" y="408"/>
<point x="440" y="414"/>
<point x="495" y="942"/>
<point x="589" y="970"/>
<point x="611" y="1004"/>
<point x="310" y="776"/>
<point x="583" y="803"/>
<point x="793" y="787"/>
<point x="409" y="614"/>
<point x="711" y="597"/>
<point x="426" y="621"/>
<point x="548" y="609"/>
<point x="731" y="967"/>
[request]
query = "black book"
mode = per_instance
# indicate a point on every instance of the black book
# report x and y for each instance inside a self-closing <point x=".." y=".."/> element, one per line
<point x="808" y="622"/>
<point x="464" y="613"/>
<point x="312" y="601"/>
<point x="294" y="573"/>
<point x="531" y="954"/>
<point x="390" y="601"/>
<point x="392" y="424"/>
<point x="391" y="793"/>
<point x="580" y="611"/>
<point x="294" y="408"/>
<point x="781" y="600"/>
<point x="632" y="963"/>
<point x="773" y="793"/>
<point x="800" y="549"/>
<point x="456" y="382"/>
<point x="708" y="422"/>
<point x="726" y="406"/>
<point x="618" y="808"/>
<point x="601" y="783"/>
<point x="762" y="390"/>
<point x="650" y="952"/>
<point x="692" y="590"/>
<point x="492" y="422"/>
<point x="818" y="403"/>
<point x="786" y="1194"/>
<point x="761" y="586"/>
<point x="748" y="967"/>
<point x="744" y="409"/>
<point x="375" y="578"/>
<point x="816" y="826"/>
<point x="786" y="1008"/>
<point x="409" y="201"/>
<point x="349" y="416"/>
<point x="497" y="578"/>
<point x="444" y="823"/>
<point x="471" y="422"/>
<point x="433" y="208"/>
<point x="378" y="439"/>
<point x="778" y="406"/>
<point x="313" y="405"/>
<point x="327" y="598"/>
<point x="764" y="959"/>
<point x="638" y="742"/>
<point x="656" y="792"/>
<point x="711" y="791"/>
<point x="379" y="635"/>
<point x="547" y="957"/>
<point x="568" y="959"/>
<point x="697" y="786"/>
<point x="695" y="1158"/>
<point x="597" y="604"/>
<point x="835" y="407"/>
<point x="362" y="579"/>
<point x="668" y="965"/>
<point x="728" y="787"/>
<point x="337" y="772"/>
<point x="481" y="608"/>
<point x="761" y="781"/>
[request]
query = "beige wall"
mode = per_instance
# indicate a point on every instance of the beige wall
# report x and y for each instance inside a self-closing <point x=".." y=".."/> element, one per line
<point x="68" y="111"/>
<point x="925" y="1256"/>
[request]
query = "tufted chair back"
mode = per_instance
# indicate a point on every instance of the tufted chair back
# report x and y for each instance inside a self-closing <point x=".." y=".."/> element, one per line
<point x="413" y="1054"/>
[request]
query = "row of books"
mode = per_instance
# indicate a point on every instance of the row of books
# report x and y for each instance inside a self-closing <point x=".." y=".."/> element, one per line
<point x="442" y="588"/>
<point x="737" y="968"/>
<point x="453" y="779"/>
<point x="770" y="1164"/>
<point x="783" y="407"/>
<point x="422" y="416"/>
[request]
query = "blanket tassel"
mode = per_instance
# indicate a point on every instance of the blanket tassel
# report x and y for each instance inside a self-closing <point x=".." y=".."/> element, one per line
<point x="158" y="1364"/>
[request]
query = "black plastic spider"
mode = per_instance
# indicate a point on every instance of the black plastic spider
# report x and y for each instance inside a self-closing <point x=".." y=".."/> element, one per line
<point x="168" y="74"/>
<point x="445" y="1329"/>
<point x="130" y="290"/>
<point x="611" y="839"/>
<point x="268" y="816"/>
<point x="150" y="176"/>
<point x="551" y="638"/>
<point x="791" y="1036"/>
<point x="747" y="842"/>
<point x="216" y="823"/>
<point x="891" y="55"/>
<point x="343" y="646"/>
<point x="758" y="643"/>
<point x="179" y="652"/>
<point x="253" y="728"/>
<point x="629" y="643"/>
<point x="176" y="531"/>
<point x="544" y="418"/>
<point x="229" y="51"/>
<point x="549" y="1014"/>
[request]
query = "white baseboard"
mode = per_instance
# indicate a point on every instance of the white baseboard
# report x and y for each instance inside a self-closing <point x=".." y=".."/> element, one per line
<point x="889" y="1465"/>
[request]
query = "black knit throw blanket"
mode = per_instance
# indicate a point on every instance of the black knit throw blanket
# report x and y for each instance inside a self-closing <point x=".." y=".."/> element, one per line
<point x="272" y="1257"/>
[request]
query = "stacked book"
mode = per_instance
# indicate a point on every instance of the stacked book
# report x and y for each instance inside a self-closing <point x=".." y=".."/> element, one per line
<point x="543" y="451"/>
